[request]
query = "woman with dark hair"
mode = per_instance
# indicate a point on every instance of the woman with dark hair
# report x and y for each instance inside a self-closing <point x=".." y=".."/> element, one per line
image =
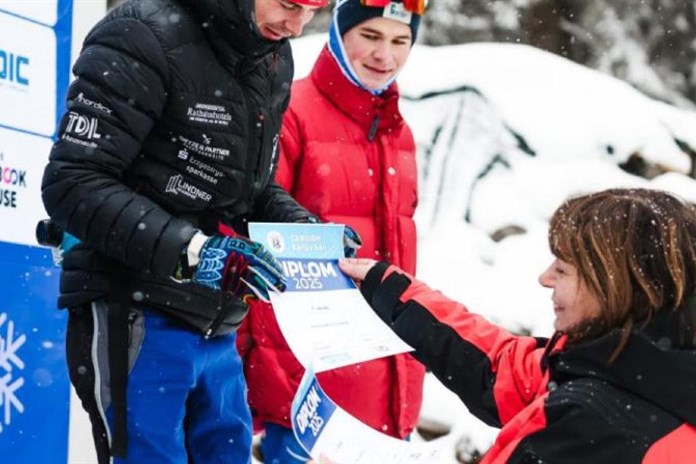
<point x="616" y="381"/>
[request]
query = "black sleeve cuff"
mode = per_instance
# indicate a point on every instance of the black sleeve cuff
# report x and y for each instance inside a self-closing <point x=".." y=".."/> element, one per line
<point x="383" y="297"/>
<point x="373" y="279"/>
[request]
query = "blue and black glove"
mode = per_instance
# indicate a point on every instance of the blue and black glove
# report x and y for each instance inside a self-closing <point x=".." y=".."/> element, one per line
<point x="351" y="239"/>
<point x="239" y="265"/>
<point x="351" y="242"/>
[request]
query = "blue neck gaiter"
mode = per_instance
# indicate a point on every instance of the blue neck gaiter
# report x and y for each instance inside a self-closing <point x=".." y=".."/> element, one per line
<point x="338" y="51"/>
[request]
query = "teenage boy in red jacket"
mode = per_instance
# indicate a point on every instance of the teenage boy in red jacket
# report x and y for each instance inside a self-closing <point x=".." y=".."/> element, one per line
<point x="348" y="157"/>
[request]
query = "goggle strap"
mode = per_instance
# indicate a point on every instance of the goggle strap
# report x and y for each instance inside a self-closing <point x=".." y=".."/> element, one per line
<point x="414" y="6"/>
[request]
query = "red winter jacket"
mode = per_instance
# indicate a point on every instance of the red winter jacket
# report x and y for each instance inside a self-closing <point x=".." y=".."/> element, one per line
<point x="349" y="158"/>
<point x="554" y="403"/>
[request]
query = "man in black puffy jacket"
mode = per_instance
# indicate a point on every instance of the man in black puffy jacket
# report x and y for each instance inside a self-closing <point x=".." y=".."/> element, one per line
<point x="170" y="137"/>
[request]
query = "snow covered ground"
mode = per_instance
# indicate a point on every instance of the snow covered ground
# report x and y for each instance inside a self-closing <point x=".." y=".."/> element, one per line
<point x="511" y="132"/>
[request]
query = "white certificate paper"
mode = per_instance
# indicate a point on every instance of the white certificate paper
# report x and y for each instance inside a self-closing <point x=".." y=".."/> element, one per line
<point x="324" y="318"/>
<point x="328" y="432"/>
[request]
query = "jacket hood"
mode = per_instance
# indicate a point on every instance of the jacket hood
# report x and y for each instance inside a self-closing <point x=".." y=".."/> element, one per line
<point x="356" y="103"/>
<point x="230" y="25"/>
<point x="657" y="364"/>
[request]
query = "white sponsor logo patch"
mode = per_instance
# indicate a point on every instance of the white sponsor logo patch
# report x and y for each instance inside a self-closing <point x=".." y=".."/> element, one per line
<point x="91" y="103"/>
<point x="205" y="149"/>
<point x="177" y="185"/>
<point x="209" y="114"/>
<point x="82" y="126"/>
<point x="397" y="12"/>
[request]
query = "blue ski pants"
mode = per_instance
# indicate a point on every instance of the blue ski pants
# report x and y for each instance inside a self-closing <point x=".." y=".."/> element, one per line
<point x="185" y="394"/>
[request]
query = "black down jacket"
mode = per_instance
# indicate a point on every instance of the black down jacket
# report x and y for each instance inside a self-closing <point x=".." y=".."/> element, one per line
<point x="171" y="126"/>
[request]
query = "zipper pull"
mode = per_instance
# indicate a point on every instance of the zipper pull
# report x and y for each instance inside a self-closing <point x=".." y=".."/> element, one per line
<point x="259" y="120"/>
<point x="373" y="129"/>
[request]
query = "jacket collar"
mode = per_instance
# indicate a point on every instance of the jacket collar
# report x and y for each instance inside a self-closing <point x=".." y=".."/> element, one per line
<point x="354" y="102"/>
<point x="657" y="364"/>
<point x="231" y="29"/>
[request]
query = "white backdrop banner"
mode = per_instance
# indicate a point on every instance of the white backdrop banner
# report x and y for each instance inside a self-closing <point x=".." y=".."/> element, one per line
<point x="34" y="387"/>
<point x="27" y="76"/>
<point x="41" y="11"/>
<point x="22" y="161"/>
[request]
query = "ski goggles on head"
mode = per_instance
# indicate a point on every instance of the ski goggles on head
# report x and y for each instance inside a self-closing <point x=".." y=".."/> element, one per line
<point x="414" y="6"/>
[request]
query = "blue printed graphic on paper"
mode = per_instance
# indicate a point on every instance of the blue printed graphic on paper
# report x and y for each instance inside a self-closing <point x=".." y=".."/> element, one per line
<point x="311" y="411"/>
<point x="312" y="241"/>
<point x="308" y="253"/>
<point x="307" y="275"/>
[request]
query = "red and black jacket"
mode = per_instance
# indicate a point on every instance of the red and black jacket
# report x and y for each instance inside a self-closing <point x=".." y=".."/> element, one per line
<point x="554" y="403"/>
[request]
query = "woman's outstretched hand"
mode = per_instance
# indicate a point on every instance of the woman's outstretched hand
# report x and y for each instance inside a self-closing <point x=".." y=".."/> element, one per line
<point x="356" y="268"/>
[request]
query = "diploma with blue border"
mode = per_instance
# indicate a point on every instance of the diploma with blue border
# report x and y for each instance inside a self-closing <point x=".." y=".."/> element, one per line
<point x="322" y="315"/>
<point x="330" y="435"/>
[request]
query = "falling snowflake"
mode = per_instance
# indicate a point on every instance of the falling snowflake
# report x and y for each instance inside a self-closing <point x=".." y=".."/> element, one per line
<point x="9" y="360"/>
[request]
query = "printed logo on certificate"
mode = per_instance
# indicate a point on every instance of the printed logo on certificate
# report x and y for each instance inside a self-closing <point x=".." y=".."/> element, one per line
<point x="322" y="315"/>
<point x="330" y="434"/>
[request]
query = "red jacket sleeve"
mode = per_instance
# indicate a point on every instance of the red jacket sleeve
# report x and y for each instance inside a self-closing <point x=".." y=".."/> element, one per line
<point x="493" y="371"/>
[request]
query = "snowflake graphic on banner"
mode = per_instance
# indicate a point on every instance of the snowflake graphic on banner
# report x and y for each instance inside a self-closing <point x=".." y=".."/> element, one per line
<point x="9" y="360"/>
